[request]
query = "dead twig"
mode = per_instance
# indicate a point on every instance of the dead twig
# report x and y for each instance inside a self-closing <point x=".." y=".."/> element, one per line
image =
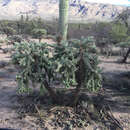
<point x="43" y="118"/>
<point x="111" y="116"/>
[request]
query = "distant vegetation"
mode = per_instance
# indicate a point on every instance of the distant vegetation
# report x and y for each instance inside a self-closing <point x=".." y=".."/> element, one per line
<point x="106" y="34"/>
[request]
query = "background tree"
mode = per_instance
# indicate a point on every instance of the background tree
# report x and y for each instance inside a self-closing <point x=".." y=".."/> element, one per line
<point x="125" y="44"/>
<point x="118" y="32"/>
<point x="124" y="17"/>
<point x="102" y="33"/>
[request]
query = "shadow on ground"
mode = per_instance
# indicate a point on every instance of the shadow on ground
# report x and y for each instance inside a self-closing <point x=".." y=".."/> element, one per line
<point x="117" y="90"/>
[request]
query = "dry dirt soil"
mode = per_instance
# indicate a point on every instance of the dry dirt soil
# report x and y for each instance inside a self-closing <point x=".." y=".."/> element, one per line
<point x="116" y="92"/>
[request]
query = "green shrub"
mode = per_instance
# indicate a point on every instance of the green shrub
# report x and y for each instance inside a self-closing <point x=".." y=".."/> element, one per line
<point x="124" y="44"/>
<point x="39" y="33"/>
<point x="9" y="31"/>
<point x="15" y="38"/>
<point x="119" y="32"/>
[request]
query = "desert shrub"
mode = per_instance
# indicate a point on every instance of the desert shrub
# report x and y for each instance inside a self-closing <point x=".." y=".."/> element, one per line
<point x="71" y="63"/>
<point x="105" y="47"/>
<point x="15" y="38"/>
<point x="125" y="45"/>
<point x="9" y="31"/>
<point x="76" y="30"/>
<point x="119" y="32"/>
<point x="39" y="33"/>
<point x="123" y="19"/>
<point x="8" y="27"/>
<point x="28" y="26"/>
<point x="8" y="23"/>
<point x="25" y="25"/>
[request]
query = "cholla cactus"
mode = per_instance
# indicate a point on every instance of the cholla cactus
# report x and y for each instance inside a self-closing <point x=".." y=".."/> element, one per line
<point x="78" y="65"/>
<point x="73" y="64"/>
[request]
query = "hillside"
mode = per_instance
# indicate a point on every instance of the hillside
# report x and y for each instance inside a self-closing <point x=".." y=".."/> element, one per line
<point x="48" y="9"/>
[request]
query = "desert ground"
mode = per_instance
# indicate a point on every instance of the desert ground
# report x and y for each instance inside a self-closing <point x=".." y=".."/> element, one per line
<point x="116" y="91"/>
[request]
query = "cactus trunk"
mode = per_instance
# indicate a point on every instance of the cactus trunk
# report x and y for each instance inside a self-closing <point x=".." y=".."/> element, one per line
<point x="63" y="18"/>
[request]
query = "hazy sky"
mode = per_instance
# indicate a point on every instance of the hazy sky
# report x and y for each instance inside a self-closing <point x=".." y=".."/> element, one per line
<point x="115" y="2"/>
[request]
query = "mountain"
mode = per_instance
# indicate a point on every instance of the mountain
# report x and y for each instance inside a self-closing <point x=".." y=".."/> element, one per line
<point x="79" y="11"/>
